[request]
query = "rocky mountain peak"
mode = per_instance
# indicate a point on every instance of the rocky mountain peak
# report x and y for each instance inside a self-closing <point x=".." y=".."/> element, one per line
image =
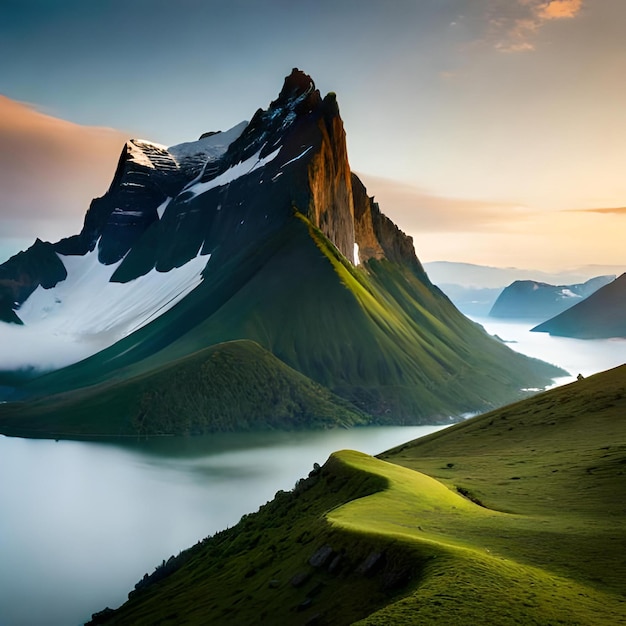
<point x="229" y="190"/>
<point x="298" y="86"/>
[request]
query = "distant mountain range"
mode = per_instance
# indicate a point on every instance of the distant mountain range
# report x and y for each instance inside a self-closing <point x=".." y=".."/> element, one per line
<point x="244" y="280"/>
<point x="484" y="276"/>
<point x="474" y="289"/>
<point x="602" y="315"/>
<point x="529" y="299"/>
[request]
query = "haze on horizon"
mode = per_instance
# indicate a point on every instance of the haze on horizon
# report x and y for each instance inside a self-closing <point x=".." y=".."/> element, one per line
<point x="490" y="130"/>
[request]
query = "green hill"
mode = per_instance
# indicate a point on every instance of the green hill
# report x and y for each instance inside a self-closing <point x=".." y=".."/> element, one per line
<point x="230" y="386"/>
<point x="378" y="335"/>
<point x="513" y="517"/>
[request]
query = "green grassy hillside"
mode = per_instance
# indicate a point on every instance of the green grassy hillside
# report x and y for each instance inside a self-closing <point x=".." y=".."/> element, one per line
<point x="514" y="517"/>
<point x="378" y="335"/>
<point x="231" y="386"/>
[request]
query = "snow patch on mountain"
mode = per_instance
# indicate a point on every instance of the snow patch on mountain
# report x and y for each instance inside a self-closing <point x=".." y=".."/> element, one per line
<point x="154" y="155"/>
<point x="161" y="208"/>
<point x="299" y="156"/>
<point x="211" y="147"/>
<point x="87" y="312"/>
<point x="232" y="173"/>
<point x="138" y="151"/>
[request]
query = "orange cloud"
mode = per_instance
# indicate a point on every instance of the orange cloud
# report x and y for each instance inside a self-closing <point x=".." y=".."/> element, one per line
<point x="50" y="170"/>
<point x="416" y="210"/>
<point x="500" y="233"/>
<point x="558" y="8"/>
<point x="521" y="24"/>
<point x="611" y="210"/>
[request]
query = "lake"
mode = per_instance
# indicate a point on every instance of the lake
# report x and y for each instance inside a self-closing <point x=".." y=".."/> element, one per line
<point x="81" y="522"/>
<point x="577" y="356"/>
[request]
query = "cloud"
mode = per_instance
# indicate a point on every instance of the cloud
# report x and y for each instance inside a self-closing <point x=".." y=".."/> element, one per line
<point x="555" y="9"/>
<point x="612" y="210"/>
<point x="500" y="233"/>
<point x="514" y="25"/>
<point x="50" y="170"/>
<point x="416" y="210"/>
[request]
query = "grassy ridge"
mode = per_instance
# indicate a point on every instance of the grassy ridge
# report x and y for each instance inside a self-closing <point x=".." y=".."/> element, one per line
<point x="232" y="386"/>
<point x="514" y="517"/>
<point x="468" y="577"/>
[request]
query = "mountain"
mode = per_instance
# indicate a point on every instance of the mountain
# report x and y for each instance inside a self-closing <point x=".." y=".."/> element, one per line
<point x="534" y="300"/>
<point x="474" y="289"/>
<point x="512" y="517"/>
<point x="487" y="277"/>
<point x="259" y="234"/>
<point x="602" y="315"/>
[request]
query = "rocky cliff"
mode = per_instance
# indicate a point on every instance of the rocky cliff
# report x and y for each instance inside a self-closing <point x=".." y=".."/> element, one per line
<point x="151" y="216"/>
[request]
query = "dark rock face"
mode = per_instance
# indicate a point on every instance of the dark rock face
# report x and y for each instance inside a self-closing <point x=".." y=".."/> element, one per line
<point x="151" y="217"/>
<point x="24" y="272"/>
<point x="534" y="300"/>
<point x="377" y="236"/>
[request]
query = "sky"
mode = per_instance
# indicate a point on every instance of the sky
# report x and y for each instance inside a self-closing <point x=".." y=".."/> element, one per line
<point x="491" y="131"/>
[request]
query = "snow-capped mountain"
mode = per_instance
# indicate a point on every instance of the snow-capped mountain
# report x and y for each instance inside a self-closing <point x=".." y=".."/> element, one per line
<point x="158" y="218"/>
<point x="65" y="320"/>
<point x="257" y="234"/>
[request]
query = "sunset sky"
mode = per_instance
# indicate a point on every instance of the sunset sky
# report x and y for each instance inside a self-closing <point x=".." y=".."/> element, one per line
<point x="492" y="131"/>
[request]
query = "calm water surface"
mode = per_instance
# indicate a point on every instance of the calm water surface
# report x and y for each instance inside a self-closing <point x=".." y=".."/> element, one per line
<point x="80" y="523"/>
<point x="577" y="356"/>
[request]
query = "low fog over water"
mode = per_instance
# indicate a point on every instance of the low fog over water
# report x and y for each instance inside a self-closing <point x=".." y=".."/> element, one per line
<point x="577" y="356"/>
<point x="81" y="522"/>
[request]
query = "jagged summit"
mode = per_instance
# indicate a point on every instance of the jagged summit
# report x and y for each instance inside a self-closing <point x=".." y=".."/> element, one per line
<point x="298" y="88"/>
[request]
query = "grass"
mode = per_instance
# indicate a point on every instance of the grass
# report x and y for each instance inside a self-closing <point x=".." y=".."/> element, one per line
<point x="480" y="561"/>
<point x="231" y="386"/>
<point x="379" y="336"/>
<point x="513" y="517"/>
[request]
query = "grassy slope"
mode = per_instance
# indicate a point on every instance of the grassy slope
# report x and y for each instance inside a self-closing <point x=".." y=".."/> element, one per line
<point x="544" y="546"/>
<point x="232" y="386"/>
<point x="377" y="336"/>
